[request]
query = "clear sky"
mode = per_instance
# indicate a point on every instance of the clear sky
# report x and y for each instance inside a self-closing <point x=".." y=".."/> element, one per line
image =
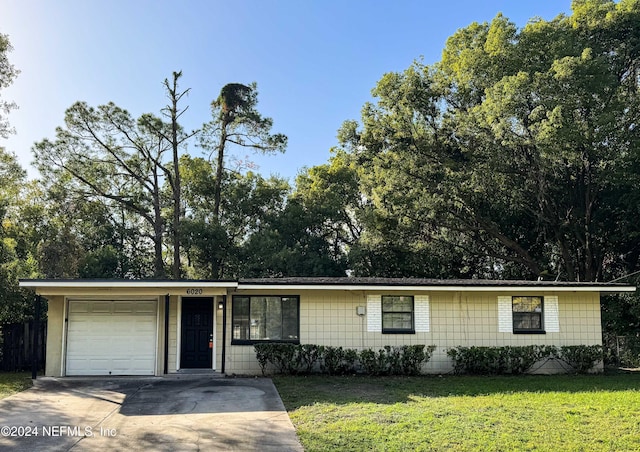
<point x="315" y="62"/>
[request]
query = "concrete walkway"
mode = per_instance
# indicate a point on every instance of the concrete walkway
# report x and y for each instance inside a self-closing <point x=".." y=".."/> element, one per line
<point x="156" y="413"/>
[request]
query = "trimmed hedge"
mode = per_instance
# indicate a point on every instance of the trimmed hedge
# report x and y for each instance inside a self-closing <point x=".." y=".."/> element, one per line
<point x="402" y="360"/>
<point x="338" y="361"/>
<point x="301" y="359"/>
<point x="581" y="357"/>
<point x="294" y="359"/>
<point x="287" y="358"/>
<point x="518" y="360"/>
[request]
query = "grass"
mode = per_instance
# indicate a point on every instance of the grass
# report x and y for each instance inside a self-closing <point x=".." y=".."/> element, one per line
<point x="13" y="382"/>
<point x="545" y="413"/>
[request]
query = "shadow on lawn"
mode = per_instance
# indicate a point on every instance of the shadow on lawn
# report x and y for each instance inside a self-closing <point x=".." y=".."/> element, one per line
<point x="297" y="391"/>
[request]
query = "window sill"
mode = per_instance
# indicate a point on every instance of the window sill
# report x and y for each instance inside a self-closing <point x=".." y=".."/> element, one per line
<point x="398" y="331"/>
<point x="529" y="332"/>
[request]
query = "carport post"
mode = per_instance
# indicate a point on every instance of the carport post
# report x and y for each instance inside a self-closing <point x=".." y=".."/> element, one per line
<point x="36" y="339"/>
<point x="224" y="331"/>
<point x="166" y="334"/>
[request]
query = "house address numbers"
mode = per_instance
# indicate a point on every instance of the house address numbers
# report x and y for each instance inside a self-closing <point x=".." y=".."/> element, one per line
<point x="194" y="291"/>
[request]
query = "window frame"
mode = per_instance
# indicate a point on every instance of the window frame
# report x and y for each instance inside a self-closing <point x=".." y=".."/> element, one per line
<point x="259" y="341"/>
<point x="411" y="330"/>
<point x="540" y="330"/>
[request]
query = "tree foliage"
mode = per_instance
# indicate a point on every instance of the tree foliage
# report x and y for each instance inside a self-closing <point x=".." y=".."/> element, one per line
<point x="515" y="147"/>
<point x="213" y="243"/>
<point x="105" y="155"/>
<point x="15" y="305"/>
<point x="236" y="121"/>
<point x="8" y="73"/>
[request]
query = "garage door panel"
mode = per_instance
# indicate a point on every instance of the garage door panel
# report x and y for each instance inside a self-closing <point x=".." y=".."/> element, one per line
<point x="78" y="306"/>
<point x="111" y="337"/>
<point x="123" y="307"/>
<point x="100" y="308"/>
<point x="146" y="307"/>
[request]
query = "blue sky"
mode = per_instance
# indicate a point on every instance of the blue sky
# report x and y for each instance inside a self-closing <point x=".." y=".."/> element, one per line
<point x="315" y="62"/>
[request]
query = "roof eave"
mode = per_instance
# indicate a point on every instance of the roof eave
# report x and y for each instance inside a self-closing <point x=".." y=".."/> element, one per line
<point x="438" y="288"/>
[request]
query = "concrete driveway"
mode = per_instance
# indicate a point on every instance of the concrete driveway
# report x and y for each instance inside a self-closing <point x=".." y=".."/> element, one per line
<point x="158" y="413"/>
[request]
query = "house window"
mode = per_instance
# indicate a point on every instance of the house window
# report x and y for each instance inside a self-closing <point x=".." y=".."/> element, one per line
<point x="397" y="314"/>
<point x="269" y="319"/>
<point x="528" y="314"/>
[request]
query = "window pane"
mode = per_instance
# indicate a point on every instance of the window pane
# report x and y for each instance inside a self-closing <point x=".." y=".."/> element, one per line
<point x="290" y="318"/>
<point x="387" y="304"/>
<point x="397" y="321"/>
<point x="240" y="318"/>
<point x="527" y="313"/>
<point x="527" y="321"/>
<point x="258" y="318"/>
<point x="397" y="304"/>
<point x="527" y="304"/>
<point x="274" y="318"/>
<point x="266" y="318"/>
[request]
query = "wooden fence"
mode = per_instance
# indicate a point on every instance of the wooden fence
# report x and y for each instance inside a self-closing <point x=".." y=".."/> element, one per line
<point x="17" y="346"/>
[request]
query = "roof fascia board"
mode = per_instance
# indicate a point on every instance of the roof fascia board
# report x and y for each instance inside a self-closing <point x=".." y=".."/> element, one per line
<point x="128" y="284"/>
<point x="436" y="288"/>
<point x="138" y="288"/>
<point x="141" y="284"/>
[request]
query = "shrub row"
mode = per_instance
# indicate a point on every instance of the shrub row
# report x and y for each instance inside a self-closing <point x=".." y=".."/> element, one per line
<point x="517" y="360"/>
<point x="305" y="358"/>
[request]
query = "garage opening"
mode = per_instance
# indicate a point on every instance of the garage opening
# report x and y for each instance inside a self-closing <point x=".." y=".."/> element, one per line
<point x="111" y="337"/>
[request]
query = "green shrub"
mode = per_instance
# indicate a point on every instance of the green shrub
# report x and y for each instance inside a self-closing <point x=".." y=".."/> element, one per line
<point x="413" y="356"/>
<point x="306" y="356"/>
<point x="289" y="359"/>
<point x="338" y="361"/>
<point x="400" y="360"/>
<point x="472" y="360"/>
<point x="581" y="357"/>
<point x="391" y="358"/>
<point x="284" y="358"/>
<point x="498" y="360"/>
<point x="373" y="363"/>
<point x="264" y="355"/>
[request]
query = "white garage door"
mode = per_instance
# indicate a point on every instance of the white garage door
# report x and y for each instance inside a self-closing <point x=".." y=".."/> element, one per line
<point x="116" y="337"/>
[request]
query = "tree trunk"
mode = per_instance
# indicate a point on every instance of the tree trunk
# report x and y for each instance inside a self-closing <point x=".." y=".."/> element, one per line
<point x="158" y="230"/>
<point x="177" y="201"/>
<point x="217" y="194"/>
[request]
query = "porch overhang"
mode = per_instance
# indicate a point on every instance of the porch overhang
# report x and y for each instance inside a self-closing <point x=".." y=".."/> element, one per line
<point x="115" y="288"/>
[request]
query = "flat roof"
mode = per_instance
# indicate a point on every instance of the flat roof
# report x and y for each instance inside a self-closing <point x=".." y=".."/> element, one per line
<point x="335" y="283"/>
<point x="124" y="283"/>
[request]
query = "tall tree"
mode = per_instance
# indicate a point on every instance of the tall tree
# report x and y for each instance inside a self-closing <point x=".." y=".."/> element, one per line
<point x="515" y="146"/>
<point x="176" y="138"/>
<point x="15" y="305"/>
<point x="104" y="154"/>
<point x="237" y="122"/>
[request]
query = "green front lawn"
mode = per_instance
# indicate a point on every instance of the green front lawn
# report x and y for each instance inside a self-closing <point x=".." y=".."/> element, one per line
<point x="12" y="382"/>
<point x="551" y="413"/>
